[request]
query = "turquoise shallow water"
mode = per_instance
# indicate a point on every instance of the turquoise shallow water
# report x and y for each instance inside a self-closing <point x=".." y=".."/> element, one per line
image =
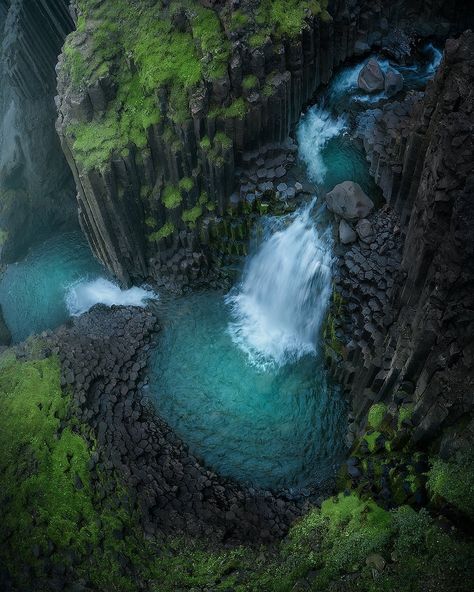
<point x="33" y="291"/>
<point x="277" y="428"/>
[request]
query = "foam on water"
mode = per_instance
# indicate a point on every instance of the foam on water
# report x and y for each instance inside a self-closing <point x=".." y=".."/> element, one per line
<point x="83" y="295"/>
<point x="279" y="305"/>
<point x="314" y="132"/>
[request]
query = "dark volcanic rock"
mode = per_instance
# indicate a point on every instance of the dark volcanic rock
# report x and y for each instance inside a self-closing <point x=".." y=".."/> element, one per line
<point x="371" y="78"/>
<point x="103" y="355"/>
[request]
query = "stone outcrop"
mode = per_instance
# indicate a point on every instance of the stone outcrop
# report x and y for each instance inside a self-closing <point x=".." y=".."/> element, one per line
<point x="257" y="101"/>
<point x="371" y="78"/>
<point x="36" y="186"/>
<point x="417" y="343"/>
<point x="103" y="356"/>
<point x="349" y="201"/>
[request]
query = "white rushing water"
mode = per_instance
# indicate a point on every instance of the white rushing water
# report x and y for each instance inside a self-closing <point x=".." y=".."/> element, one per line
<point x="279" y="305"/>
<point x="315" y="130"/>
<point x="83" y="295"/>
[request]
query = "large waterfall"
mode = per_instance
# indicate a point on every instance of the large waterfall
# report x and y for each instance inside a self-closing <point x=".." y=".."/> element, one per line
<point x="279" y="305"/>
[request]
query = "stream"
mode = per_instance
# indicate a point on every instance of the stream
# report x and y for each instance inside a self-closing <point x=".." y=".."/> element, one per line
<point x="239" y="376"/>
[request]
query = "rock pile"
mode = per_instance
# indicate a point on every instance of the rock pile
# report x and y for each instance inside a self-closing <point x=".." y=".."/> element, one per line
<point x="103" y="355"/>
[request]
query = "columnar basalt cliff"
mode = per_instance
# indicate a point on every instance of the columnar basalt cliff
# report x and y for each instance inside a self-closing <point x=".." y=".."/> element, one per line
<point x="420" y="351"/>
<point x="158" y="103"/>
<point x="36" y="187"/>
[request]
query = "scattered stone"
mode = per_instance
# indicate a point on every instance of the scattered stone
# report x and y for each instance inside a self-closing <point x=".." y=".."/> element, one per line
<point x="346" y="233"/>
<point x="365" y="231"/>
<point x="371" y="78"/>
<point x="349" y="201"/>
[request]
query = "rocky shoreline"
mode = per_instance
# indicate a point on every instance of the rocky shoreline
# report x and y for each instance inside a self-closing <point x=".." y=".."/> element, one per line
<point x="103" y="356"/>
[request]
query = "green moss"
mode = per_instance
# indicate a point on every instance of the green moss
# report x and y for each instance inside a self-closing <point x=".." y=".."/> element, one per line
<point x="164" y="232"/>
<point x="239" y="20"/>
<point x="222" y="141"/>
<point x="237" y="109"/>
<point x="150" y="222"/>
<point x="205" y="143"/>
<point x="259" y="39"/>
<point x="48" y="504"/>
<point x="249" y="82"/>
<point x="404" y="414"/>
<point x="453" y="481"/>
<point x="186" y="184"/>
<point x="376" y="415"/>
<point x="286" y="17"/>
<point x="371" y="440"/>
<point x="214" y="45"/>
<point x="76" y="65"/>
<point x="190" y="216"/>
<point x="171" y="197"/>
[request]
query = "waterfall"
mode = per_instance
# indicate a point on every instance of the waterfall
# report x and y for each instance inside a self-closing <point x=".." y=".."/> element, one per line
<point x="279" y="305"/>
<point x="83" y="295"/>
<point x="314" y="132"/>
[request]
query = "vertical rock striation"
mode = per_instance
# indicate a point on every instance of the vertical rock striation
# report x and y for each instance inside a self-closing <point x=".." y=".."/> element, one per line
<point x="36" y="189"/>
<point x="151" y="187"/>
<point x="426" y="355"/>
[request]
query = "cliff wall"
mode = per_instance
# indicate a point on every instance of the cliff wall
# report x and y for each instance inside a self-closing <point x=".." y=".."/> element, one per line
<point x="158" y="104"/>
<point x="36" y="187"/>
<point x="419" y="351"/>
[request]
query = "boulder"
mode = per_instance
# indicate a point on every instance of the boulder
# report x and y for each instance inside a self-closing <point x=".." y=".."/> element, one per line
<point x="346" y="233"/>
<point x="349" y="201"/>
<point x="393" y="82"/>
<point x="371" y="78"/>
<point x="365" y="231"/>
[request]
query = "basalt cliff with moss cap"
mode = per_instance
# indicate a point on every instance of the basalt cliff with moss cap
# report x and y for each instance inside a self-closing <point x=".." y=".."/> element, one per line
<point x="160" y="102"/>
<point x="163" y="109"/>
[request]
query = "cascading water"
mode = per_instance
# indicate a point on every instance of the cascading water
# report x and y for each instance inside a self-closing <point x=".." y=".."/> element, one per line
<point x="241" y="379"/>
<point x="58" y="278"/>
<point x="279" y="306"/>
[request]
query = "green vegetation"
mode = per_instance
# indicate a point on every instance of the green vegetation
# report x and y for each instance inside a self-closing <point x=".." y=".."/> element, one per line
<point x="190" y="216"/>
<point x="48" y="504"/>
<point x="287" y="17"/>
<point x="186" y="184"/>
<point x="376" y="414"/>
<point x="222" y="141"/>
<point x="150" y="53"/>
<point x="404" y="414"/>
<point x="205" y="143"/>
<point x="249" y="82"/>
<point x="239" y="20"/>
<point x="164" y="232"/>
<point x="237" y="109"/>
<point x="171" y="197"/>
<point x="453" y="481"/>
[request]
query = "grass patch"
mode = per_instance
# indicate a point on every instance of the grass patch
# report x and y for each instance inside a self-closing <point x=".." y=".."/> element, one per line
<point x="190" y="216"/>
<point x="376" y="414"/>
<point x="171" y="197"/>
<point x="453" y="481"/>
<point x="164" y="232"/>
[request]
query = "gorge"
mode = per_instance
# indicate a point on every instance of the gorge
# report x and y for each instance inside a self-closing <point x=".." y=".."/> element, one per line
<point x="251" y="367"/>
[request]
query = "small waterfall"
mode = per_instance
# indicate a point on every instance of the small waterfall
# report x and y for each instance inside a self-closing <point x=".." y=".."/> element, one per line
<point x="83" y="295"/>
<point x="317" y="127"/>
<point x="280" y="303"/>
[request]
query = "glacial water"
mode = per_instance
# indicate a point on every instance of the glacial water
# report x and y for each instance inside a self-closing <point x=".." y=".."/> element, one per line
<point x="240" y="376"/>
<point x="57" y="279"/>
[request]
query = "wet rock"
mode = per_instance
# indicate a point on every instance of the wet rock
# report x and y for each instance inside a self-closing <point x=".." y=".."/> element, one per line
<point x="371" y="77"/>
<point x="365" y="231"/>
<point x="393" y="82"/>
<point x="347" y="234"/>
<point x="349" y="201"/>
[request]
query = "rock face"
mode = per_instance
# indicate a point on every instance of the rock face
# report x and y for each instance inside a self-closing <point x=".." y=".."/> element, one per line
<point x="5" y="335"/>
<point x="346" y="234"/>
<point x="393" y="82"/>
<point x="192" y="155"/>
<point x="422" y="350"/>
<point x="371" y="78"/>
<point x="36" y="187"/>
<point x="349" y="201"/>
<point x="103" y="355"/>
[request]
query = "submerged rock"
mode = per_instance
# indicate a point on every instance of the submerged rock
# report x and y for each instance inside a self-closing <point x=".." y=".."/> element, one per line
<point x="371" y="78"/>
<point x="349" y="201"/>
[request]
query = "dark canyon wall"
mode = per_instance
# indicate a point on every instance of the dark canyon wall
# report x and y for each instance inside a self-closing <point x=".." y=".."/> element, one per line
<point x="143" y="199"/>
<point x="36" y="187"/>
<point x="422" y="353"/>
